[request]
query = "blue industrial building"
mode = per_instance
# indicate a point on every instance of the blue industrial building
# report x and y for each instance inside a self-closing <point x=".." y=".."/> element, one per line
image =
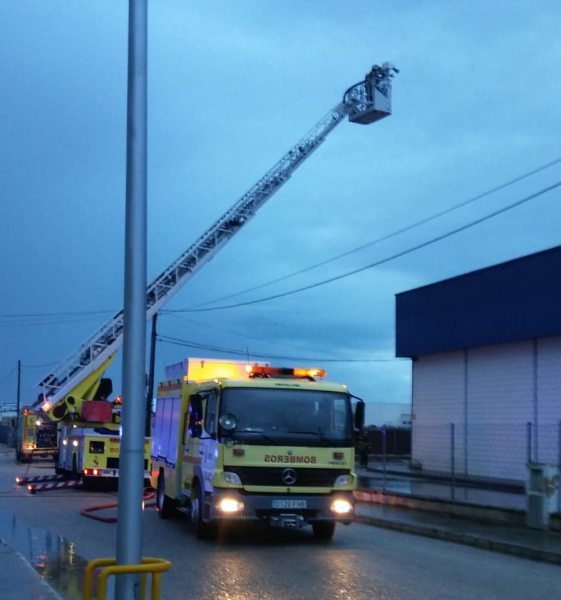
<point x="486" y="356"/>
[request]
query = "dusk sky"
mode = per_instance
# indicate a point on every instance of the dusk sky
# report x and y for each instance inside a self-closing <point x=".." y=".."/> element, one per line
<point x="232" y="86"/>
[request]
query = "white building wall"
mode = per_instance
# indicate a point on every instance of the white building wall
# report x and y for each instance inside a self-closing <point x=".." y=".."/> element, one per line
<point x="549" y="405"/>
<point x="500" y="404"/>
<point x="438" y="393"/>
<point x="490" y="394"/>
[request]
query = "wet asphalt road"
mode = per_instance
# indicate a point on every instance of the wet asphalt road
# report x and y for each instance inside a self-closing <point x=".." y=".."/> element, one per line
<point x="360" y="563"/>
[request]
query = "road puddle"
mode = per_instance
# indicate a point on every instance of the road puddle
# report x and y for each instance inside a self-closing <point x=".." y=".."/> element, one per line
<point x="53" y="557"/>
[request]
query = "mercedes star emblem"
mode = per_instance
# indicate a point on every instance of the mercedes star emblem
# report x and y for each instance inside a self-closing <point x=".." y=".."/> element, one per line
<point x="289" y="476"/>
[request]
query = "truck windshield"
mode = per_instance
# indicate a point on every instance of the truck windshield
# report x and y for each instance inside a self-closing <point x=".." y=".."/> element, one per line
<point x="287" y="416"/>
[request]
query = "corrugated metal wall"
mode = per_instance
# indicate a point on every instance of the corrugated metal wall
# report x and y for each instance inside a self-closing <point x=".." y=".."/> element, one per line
<point x="489" y="395"/>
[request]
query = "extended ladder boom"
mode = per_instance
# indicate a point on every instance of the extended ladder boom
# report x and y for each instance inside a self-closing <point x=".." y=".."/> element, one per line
<point x="365" y="102"/>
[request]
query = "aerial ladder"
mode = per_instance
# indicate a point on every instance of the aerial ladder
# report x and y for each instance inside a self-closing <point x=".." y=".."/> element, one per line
<point x="365" y="102"/>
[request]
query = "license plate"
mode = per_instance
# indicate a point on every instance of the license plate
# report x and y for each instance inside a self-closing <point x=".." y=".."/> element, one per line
<point x="109" y="472"/>
<point x="288" y="504"/>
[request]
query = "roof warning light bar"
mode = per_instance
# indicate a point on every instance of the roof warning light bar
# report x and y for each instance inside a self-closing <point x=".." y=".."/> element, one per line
<point x="259" y="371"/>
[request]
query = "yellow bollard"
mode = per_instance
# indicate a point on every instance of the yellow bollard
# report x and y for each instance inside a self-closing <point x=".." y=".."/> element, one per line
<point x="109" y="567"/>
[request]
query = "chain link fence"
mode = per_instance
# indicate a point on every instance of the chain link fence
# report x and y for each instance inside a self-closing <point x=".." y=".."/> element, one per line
<point x="454" y="460"/>
<point x="490" y="451"/>
<point x="497" y="454"/>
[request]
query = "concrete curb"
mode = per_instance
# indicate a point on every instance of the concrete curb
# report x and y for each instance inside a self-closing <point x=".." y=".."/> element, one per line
<point x="464" y="538"/>
<point x="507" y="486"/>
<point x="464" y="510"/>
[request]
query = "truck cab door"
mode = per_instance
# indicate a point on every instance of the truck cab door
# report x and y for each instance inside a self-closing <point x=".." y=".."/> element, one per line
<point x="199" y="438"/>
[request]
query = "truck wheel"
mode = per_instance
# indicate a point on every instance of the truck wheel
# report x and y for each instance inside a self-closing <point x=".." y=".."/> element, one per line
<point x="163" y="502"/>
<point x="323" y="530"/>
<point x="202" y="530"/>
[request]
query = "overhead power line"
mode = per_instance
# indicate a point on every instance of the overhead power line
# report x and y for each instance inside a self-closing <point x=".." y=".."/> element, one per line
<point x="65" y="317"/>
<point x="244" y="353"/>
<point x="43" y="366"/>
<point x="229" y="331"/>
<point x="46" y="321"/>
<point x="433" y="240"/>
<point x="82" y="313"/>
<point x="388" y="236"/>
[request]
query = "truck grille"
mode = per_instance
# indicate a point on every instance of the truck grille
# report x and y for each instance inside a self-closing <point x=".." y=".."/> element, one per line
<point x="273" y="476"/>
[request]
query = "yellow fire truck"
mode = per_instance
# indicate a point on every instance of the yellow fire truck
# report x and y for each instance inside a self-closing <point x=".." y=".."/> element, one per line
<point x="365" y="102"/>
<point x="35" y="436"/>
<point x="89" y="430"/>
<point x="237" y="443"/>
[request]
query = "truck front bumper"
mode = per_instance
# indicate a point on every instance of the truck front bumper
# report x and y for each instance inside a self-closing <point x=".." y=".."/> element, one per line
<point x="291" y="510"/>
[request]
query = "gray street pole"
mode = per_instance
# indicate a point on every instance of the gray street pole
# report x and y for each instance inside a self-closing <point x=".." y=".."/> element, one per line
<point x="131" y="462"/>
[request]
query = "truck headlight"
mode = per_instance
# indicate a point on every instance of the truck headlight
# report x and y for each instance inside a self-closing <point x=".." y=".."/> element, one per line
<point x="343" y="481"/>
<point x="232" y="478"/>
<point x="341" y="506"/>
<point x="229" y="505"/>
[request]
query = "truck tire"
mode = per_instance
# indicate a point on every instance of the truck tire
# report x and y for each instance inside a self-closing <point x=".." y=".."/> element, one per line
<point x="202" y="530"/>
<point x="163" y="502"/>
<point x="323" y="530"/>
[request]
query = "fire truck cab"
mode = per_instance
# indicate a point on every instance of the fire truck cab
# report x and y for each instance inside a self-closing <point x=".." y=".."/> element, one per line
<point x="239" y="443"/>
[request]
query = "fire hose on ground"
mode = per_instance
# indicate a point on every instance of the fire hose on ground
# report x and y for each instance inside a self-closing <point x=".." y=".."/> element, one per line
<point x="90" y="511"/>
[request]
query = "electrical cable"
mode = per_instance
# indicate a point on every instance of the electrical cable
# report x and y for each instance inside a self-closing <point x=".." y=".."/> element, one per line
<point x="58" y="314"/>
<point x="230" y="351"/>
<point x="31" y="367"/>
<point x="81" y="314"/>
<point x="377" y="263"/>
<point x="38" y="322"/>
<point x="388" y="236"/>
<point x="232" y="332"/>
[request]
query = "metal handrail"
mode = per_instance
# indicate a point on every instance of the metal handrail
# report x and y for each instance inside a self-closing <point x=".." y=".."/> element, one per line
<point x="109" y="567"/>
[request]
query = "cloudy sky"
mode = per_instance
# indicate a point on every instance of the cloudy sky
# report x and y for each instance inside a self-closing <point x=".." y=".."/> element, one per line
<point x="232" y="86"/>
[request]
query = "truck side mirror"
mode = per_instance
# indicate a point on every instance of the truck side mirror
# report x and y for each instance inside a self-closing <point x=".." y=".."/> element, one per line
<point x="359" y="415"/>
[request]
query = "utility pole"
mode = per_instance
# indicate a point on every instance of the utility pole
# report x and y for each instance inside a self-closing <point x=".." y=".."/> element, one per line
<point x="131" y="463"/>
<point x="18" y="401"/>
<point x="150" y="390"/>
<point x="18" y="393"/>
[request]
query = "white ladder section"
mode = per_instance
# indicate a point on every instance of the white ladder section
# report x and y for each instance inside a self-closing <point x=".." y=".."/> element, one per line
<point x="365" y="102"/>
